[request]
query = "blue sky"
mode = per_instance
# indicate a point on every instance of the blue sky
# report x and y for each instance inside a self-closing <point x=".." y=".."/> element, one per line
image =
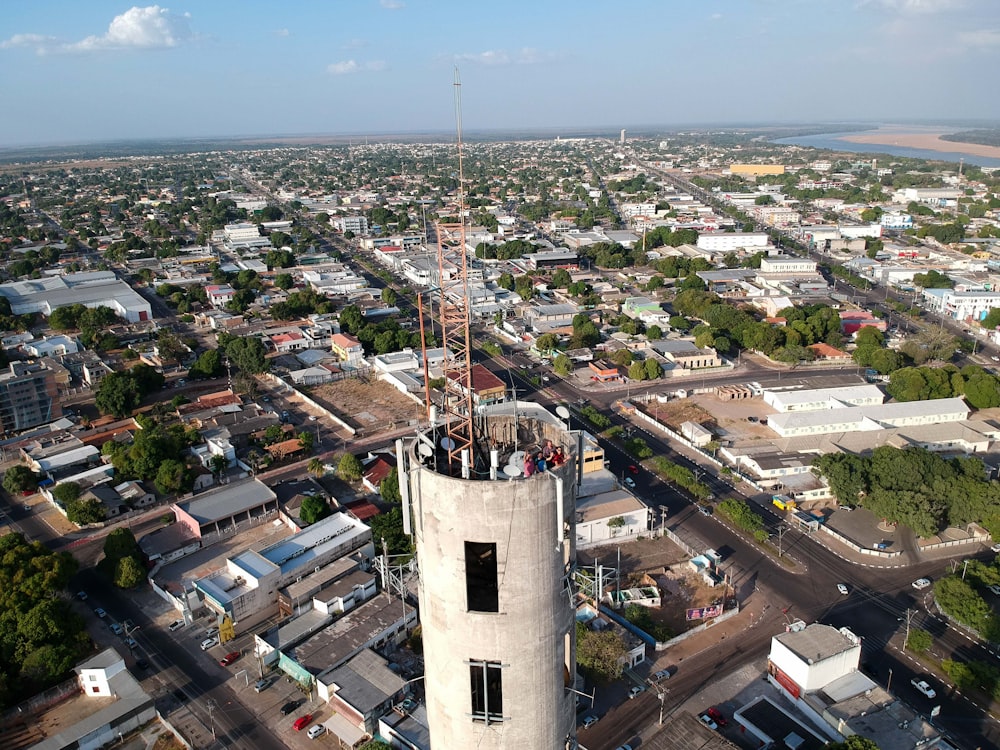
<point x="87" y="71"/>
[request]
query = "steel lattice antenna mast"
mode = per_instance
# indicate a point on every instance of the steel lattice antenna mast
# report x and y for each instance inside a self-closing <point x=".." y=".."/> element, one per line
<point x="454" y="322"/>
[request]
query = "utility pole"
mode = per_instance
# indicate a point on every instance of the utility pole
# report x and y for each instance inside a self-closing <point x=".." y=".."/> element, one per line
<point x="781" y="533"/>
<point x="211" y="717"/>
<point x="909" y="617"/>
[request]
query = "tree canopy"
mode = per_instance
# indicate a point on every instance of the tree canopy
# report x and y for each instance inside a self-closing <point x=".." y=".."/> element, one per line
<point x="41" y="637"/>
<point x="914" y="487"/>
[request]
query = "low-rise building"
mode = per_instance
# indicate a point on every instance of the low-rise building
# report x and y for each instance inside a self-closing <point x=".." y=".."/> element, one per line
<point x="88" y="288"/>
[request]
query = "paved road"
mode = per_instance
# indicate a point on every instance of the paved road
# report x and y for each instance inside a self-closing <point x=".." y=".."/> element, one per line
<point x="178" y="672"/>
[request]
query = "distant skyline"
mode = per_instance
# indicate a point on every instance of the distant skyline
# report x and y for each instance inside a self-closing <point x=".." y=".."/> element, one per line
<point x="80" y="72"/>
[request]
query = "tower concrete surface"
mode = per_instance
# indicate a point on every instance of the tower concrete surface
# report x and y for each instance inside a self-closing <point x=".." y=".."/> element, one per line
<point x="496" y="553"/>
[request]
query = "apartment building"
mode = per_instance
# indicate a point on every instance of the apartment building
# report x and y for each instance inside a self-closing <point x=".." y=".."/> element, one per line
<point x="28" y="397"/>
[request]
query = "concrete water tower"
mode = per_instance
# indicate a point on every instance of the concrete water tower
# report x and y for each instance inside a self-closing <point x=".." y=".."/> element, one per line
<point x="495" y="539"/>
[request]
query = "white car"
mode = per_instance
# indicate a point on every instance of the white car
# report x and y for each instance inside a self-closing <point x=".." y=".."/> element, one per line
<point x="629" y="482"/>
<point x="924" y="688"/>
<point x="921" y="583"/>
<point x="208" y="643"/>
<point x="995" y="588"/>
<point x="315" y="731"/>
<point x="589" y="721"/>
<point x="842" y="588"/>
<point x="175" y="625"/>
<point x="708" y="721"/>
<point x="636" y="690"/>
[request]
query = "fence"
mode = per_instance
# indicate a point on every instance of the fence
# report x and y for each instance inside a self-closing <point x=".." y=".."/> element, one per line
<point x="41" y="701"/>
<point x="664" y="645"/>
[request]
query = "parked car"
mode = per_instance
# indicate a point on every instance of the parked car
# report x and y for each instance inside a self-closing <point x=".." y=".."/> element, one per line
<point x="921" y="583"/>
<point x="842" y="588"/>
<point x="302" y="722"/>
<point x="629" y="482"/>
<point x="175" y="625"/>
<point x="624" y="747"/>
<point x="131" y="643"/>
<point x="116" y="628"/>
<point x="290" y="706"/>
<point x="208" y="643"/>
<point x="704" y="510"/>
<point x="81" y="595"/>
<point x="315" y="731"/>
<point x="633" y="469"/>
<point x="708" y="721"/>
<point x="141" y="664"/>
<point x="229" y="658"/>
<point x="663" y="674"/>
<point x="995" y="548"/>
<point x="262" y="685"/>
<point x="589" y="720"/>
<point x="100" y="613"/>
<point x="716" y="716"/>
<point x="636" y="690"/>
<point x="995" y="588"/>
<point x="924" y="688"/>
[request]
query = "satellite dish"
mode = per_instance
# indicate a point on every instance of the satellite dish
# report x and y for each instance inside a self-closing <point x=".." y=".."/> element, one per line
<point x="512" y="471"/>
<point x="424" y="450"/>
<point x="563" y="412"/>
<point x="447" y="443"/>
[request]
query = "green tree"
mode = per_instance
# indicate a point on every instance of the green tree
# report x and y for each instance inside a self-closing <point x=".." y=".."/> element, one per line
<point x="83" y="512"/>
<point x="129" y="573"/>
<point x="306" y="440"/>
<point x="389" y="526"/>
<point x="208" y="365"/>
<point x="19" y="479"/>
<point x="919" y="641"/>
<point x="66" y="492"/>
<point x="389" y="296"/>
<point x="316" y="467"/>
<point x="118" y="394"/>
<point x="561" y="279"/>
<point x="314" y="508"/>
<point x="854" y="742"/>
<point x="388" y="488"/>
<point x="600" y="652"/>
<point x="563" y="365"/>
<point x="349" y="468"/>
<point x="173" y="477"/>
<point x="284" y="281"/>
<point x="248" y="354"/>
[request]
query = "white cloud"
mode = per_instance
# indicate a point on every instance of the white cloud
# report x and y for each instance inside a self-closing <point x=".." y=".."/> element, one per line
<point x="150" y="27"/>
<point x="282" y="32"/>
<point x="916" y="6"/>
<point x="981" y="38"/>
<point x="524" y="56"/>
<point x="715" y="17"/>
<point x="392" y="4"/>
<point x="345" y="67"/>
<point x="28" y="40"/>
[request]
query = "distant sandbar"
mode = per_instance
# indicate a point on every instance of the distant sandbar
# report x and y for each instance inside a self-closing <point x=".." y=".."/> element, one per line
<point x="928" y="141"/>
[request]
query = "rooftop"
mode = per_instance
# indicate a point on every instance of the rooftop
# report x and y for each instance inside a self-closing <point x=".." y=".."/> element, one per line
<point x="818" y="642"/>
<point x="233" y="498"/>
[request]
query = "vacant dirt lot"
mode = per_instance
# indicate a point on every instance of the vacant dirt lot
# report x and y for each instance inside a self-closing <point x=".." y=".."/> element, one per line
<point x="369" y="406"/>
<point x="664" y="563"/>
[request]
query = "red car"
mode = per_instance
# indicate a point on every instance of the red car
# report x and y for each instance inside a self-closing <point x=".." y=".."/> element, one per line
<point x="633" y="469"/>
<point x="302" y="722"/>
<point x="229" y="658"/>
<point x="716" y="714"/>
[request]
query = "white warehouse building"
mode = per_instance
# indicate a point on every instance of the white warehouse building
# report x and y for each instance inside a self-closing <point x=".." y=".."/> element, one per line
<point x="727" y="241"/>
<point x="868" y="418"/>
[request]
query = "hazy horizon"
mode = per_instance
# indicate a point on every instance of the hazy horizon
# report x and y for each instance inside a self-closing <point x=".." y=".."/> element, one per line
<point x="101" y="71"/>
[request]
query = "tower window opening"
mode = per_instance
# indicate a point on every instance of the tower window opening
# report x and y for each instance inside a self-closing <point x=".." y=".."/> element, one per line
<point x="481" y="584"/>
<point x="486" y="681"/>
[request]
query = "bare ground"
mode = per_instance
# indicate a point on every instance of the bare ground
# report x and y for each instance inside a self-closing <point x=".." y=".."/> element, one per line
<point x="367" y="405"/>
<point x="666" y="565"/>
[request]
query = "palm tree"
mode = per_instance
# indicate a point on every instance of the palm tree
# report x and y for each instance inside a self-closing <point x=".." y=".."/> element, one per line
<point x="316" y="467"/>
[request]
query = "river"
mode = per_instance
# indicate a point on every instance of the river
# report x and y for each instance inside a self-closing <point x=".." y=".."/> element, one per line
<point x="834" y="142"/>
